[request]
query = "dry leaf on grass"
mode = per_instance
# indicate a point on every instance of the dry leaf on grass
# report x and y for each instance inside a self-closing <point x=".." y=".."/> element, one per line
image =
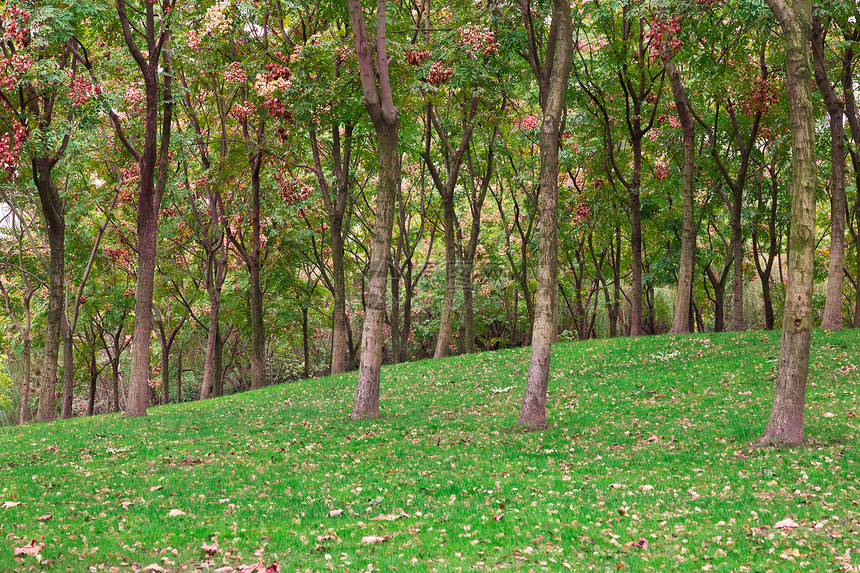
<point x="785" y="524"/>
<point x="175" y="513"/>
<point x="371" y="539"/>
<point x="8" y="504"/>
<point x="390" y="516"/>
<point x="31" y="548"/>
<point x="335" y="512"/>
<point x="155" y="567"/>
<point x="45" y="517"/>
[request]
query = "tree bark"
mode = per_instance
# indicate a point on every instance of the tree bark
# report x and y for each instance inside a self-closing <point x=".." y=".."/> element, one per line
<point x="54" y="212"/>
<point x="153" y="154"/>
<point x="785" y="426"/>
<point x="832" y="316"/>
<point x="378" y="101"/>
<point x="560" y="50"/>
<point x="681" y="320"/>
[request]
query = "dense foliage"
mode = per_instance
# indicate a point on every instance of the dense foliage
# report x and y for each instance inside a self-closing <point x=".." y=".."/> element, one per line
<point x="227" y="150"/>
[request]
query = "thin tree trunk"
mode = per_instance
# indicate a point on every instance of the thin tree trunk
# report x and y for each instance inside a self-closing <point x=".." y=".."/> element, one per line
<point x="68" y="370"/>
<point x="681" y="320"/>
<point x="832" y="316"/>
<point x="53" y="210"/>
<point x="378" y="101"/>
<point x="533" y="410"/>
<point x="785" y="426"/>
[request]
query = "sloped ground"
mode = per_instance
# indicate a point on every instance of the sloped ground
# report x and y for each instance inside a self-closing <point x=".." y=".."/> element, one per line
<point x="646" y="466"/>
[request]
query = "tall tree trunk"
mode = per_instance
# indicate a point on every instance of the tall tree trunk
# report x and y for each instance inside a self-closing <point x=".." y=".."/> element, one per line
<point x="305" y="344"/>
<point x="737" y="245"/>
<point x="636" y="235"/>
<point x="378" y="101"/>
<point x="68" y="370"/>
<point x="94" y="376"/>
<point x="26" y="357"/>
<point x="338" y="330"/>
<point x="218" y="365"/>
<point x="446" y="319"/>
<point x="533" y="410"/>
<point x="681" y="320"/>
<point x="785" y="426"/>
<point x="367" y="391"/>
<point x="213" y="333"/>
<point x="52" y="208"/>
<point x="832" y="316"/>
<point x="258" y="334"/>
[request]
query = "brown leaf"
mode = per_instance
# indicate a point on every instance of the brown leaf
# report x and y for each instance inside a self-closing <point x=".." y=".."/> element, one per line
<point x="31" y="548"/>
<point x="323" y="538"/>
<point x="155" y="567"/>
<point x="786" y="523"/>
<point x="45" y="517"/>
<point x="335" y="512"/>
<point x="8" y="504"/>
<point x="371" y="539"/>
<point x="498" y="517"/>
<point x="175" y="513"/>
<point x="210" y="548"/>
<point x="390" y="516"/>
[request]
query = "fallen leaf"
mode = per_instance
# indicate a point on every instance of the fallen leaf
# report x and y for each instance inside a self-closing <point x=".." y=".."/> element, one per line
<point x="390" y="516"/>
<point x="156" y="487"/>
<point x="226" y="569"/>
<point x="641" y="543"/>
<point x="498" y="517"/>
<point x="335" y="512"/>
<point x="45" y="517"/>
<point x="374" y="539"/>
<point x="260" y="567"/>
<point x="322" y="538"/>
<point x="785" y="524"/>
<point x="210" y="548"/>
<point x="155" y="567"/>
<point x="616" y="485"/>
<point x="31" y="548"/>
<point x="175" y="513"/>
<point x="414" y="531"/>
<point x="645" y="487"/>
<point x="8" y="504"/>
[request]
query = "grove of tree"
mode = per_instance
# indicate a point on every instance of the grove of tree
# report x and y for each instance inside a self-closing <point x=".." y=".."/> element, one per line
<point x="205" y="198"/>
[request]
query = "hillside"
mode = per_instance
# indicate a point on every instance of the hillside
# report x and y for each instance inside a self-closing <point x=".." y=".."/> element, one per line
<point x="645" y="466"/>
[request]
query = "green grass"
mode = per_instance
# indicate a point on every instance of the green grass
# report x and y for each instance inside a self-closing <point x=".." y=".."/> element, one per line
<point x="648" y="439"/>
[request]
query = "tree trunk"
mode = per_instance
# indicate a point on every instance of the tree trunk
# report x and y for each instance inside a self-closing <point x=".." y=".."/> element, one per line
<point x="636" y="239"/>
<point x="94" y="376"/>
<point x="68" y="370"/>
<point x="179" y="377"/>
<point x="832" y="316"/>
<point x="212" y="334"/>
<point x="681" y="320"/>
<point x="785" y="426"/>
<point x="26" y="357"/>
<point x="737" y="244"/>
<point x="52" y="208"/>
<point x="305" y="344"/>
<point x="366" y="403"/>
<point x="378" y="101"/>
<point x="338" y="329"/>
<point x="533" y="410"/>
<point x="218" y="366"/>
<point x="446" y="320"/>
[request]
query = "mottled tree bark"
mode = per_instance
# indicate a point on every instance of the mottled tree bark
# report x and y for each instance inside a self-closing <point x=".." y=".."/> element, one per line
<point x="832" y="316"/>
<point x="552" y="78"/>
<point x="378" y="101"/>
<point x="681" y="320"/>
<point x="154" y="153"/>
<point x="785" y="426"/>
<point x="54" y="212"/>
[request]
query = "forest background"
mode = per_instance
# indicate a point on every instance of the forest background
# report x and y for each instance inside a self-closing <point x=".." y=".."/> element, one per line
<point x="208" y="179"/>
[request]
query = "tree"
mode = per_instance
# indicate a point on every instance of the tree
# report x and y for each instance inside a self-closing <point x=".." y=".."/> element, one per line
<point x="785" y="426"/>
<point x="551" y="72"/>
<point x="373" y="67"/>
<point x="153" y="164"/>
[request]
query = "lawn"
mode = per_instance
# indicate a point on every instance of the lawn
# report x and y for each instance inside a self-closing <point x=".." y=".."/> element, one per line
<point x="646" y="466"/>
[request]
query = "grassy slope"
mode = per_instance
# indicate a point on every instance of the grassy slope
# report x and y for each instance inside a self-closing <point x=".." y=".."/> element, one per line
<point x="261" y="471"/>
